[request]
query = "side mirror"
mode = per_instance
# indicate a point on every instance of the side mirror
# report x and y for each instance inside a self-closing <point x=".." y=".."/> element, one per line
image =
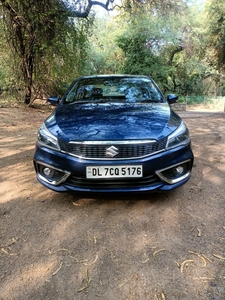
<point x="172" y="98"/>
<point x="53" y="100"/>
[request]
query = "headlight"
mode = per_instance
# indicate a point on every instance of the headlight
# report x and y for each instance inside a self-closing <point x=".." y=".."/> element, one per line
<point x="178" y="137"/>
<point x="46" y="138"/>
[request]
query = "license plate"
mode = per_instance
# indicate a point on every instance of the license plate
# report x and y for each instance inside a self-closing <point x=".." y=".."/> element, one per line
<point x="125" y="171"/>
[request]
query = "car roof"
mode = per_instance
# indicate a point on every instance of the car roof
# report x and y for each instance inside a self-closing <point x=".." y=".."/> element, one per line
<point x="114" y="75"/>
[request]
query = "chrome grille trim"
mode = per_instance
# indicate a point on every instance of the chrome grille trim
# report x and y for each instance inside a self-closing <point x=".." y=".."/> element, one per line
<point x="110" y="143"/>
<point x="130" y="149"/>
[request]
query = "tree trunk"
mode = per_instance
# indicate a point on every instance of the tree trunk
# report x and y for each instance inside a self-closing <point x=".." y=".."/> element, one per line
<point x="28" y="66"/>
<point x="23" y="46"/>
<point x="177" y="50"/>
<point x="28" y="94"/>
<point x="217" y="83"/>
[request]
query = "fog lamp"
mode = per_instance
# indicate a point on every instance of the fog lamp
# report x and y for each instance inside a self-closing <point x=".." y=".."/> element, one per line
<point x="178" y="170"/>
<point x="47" y="171"/>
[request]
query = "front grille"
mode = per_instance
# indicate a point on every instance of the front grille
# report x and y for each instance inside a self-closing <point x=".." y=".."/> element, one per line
<point x="124" y="150"/>
<point x="113" y="183"/>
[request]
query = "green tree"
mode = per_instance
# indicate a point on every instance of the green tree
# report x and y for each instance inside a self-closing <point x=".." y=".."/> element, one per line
<point x="215" y="24"/>
<point x="214" y="41"/>
<point x="44" y="39"/>
<point x="150" y="44"/>
<point x="104" y="54"/>
<point x="5" y="75"/>
<point x="170" y="50"/>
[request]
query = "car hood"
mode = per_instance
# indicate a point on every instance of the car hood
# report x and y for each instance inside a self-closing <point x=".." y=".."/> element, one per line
<point x="112" y="121"/>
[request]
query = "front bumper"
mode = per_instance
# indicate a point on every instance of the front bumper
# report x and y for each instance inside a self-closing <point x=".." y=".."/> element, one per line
<point x="62" y="173"/>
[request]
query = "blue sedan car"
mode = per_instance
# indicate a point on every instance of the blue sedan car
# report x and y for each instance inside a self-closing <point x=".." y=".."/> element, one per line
<point x="113" y="133"/>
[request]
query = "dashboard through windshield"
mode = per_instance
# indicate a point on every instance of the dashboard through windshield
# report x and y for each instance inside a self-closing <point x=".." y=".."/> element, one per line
<point x="113" y="89"/>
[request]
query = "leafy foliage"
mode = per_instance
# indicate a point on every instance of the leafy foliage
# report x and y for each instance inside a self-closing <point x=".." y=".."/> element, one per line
<point x="45" y="42"/>
<point x="166" y="41"/>
<point x="104" y="55"/>
<point x="156" y="48"/>
<point x="216" y="32"/>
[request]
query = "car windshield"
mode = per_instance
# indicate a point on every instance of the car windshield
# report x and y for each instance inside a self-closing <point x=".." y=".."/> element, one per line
<point x="113" y="89"/>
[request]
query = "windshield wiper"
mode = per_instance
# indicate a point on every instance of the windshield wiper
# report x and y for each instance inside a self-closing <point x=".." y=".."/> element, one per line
<point x="91" y="101"/>
<point x="81" y="101"/>
<point x="152" y="101"/>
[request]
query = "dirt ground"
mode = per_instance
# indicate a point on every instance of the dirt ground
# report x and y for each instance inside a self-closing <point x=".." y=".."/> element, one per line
<point x="153" y="246"/>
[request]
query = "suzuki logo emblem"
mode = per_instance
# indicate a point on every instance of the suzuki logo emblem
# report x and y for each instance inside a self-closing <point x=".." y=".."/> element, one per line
<point x="111" y="151"/>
